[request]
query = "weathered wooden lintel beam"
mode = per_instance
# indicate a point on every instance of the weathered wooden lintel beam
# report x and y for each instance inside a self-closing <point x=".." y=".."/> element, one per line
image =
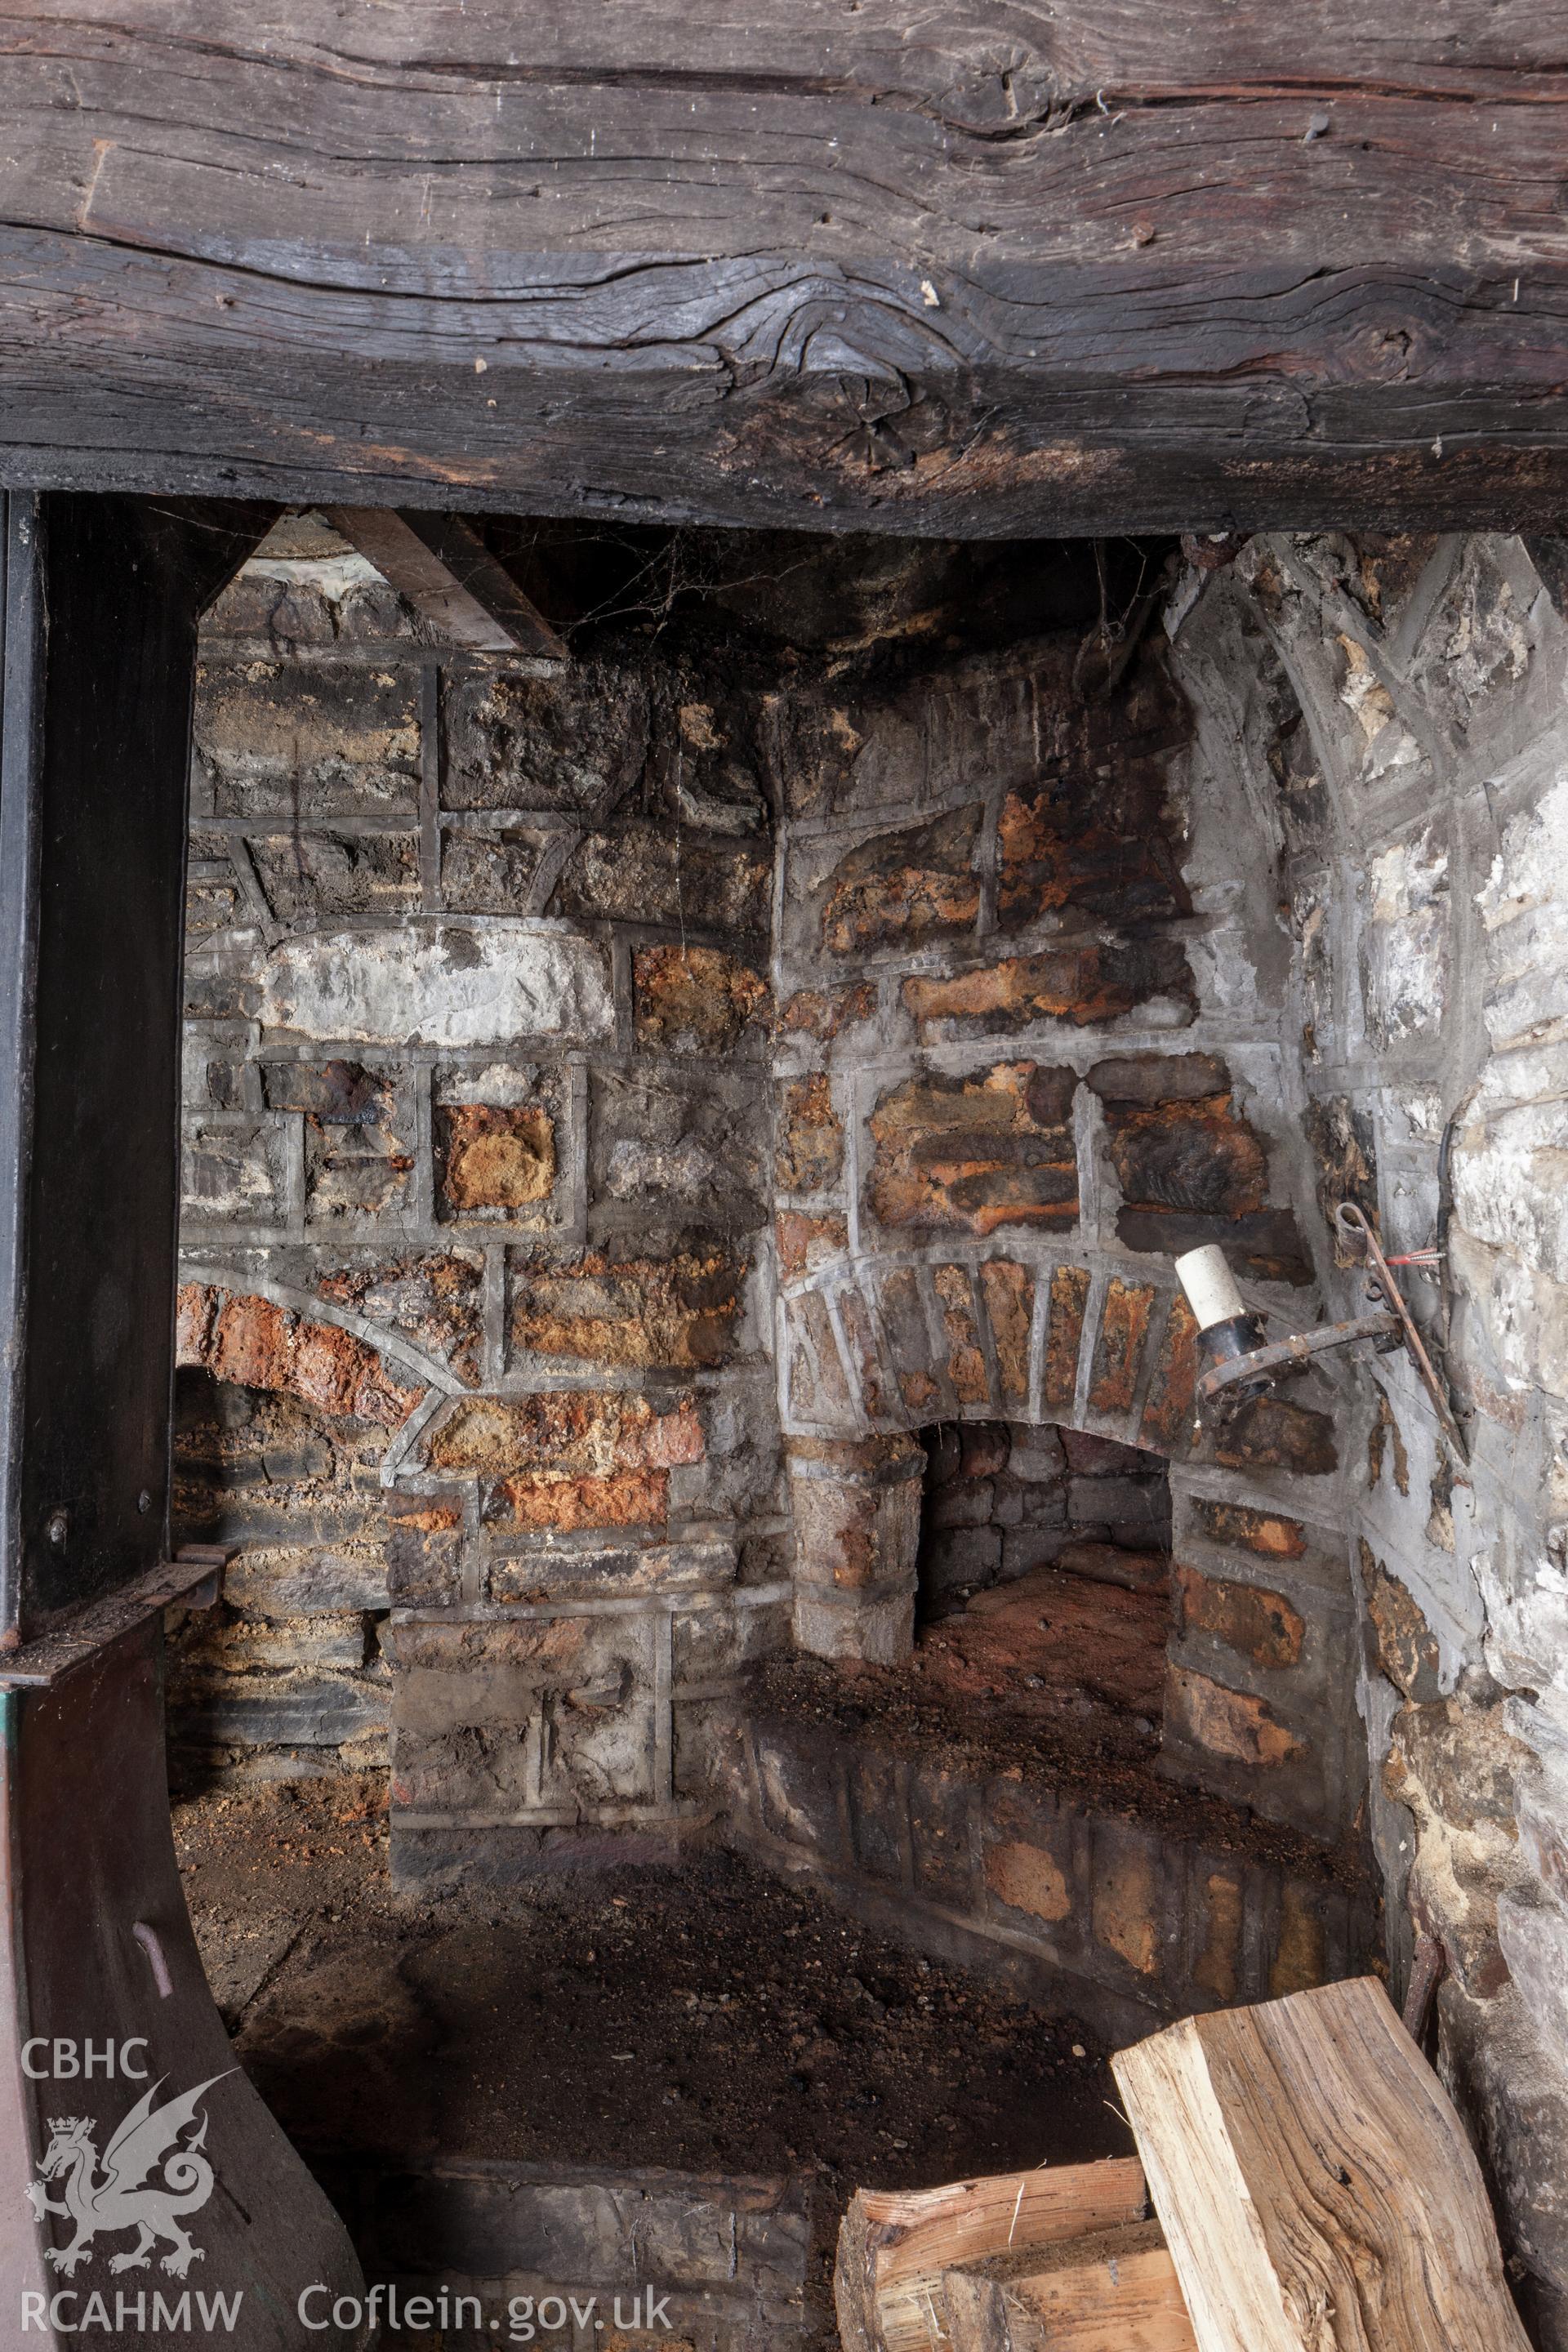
<point x="981" y="272"/>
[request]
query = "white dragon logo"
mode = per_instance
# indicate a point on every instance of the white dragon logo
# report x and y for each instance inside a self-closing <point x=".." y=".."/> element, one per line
<point x="123" y="2197"/>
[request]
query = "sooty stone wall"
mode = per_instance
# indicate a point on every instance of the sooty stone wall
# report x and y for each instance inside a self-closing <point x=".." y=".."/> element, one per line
<point x="1000" y="1501"/>
<point x="1407" y="697"/>
<point x="474" y="1322"/>
<point x="488" y="1197"/>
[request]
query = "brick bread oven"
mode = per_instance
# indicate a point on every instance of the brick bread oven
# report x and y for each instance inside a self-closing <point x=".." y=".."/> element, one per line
<point x="1032" y="1023"/>
<point x="630" y="1108"/>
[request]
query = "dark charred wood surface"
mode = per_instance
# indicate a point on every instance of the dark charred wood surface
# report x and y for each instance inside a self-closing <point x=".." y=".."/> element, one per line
<point x="826" y="262"/>
<point x="102" y="600"/>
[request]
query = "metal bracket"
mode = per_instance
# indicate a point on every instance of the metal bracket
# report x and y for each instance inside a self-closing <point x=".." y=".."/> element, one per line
<point x="1391" y="1324"/>
<point x="1253" y="1371"/>
<point x="1381" y="1282"/>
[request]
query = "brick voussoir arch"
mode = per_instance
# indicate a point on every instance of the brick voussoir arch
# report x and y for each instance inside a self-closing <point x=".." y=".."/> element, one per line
<point x="875" y="1348"/>
<point x="1086" y="1339"/>
<point x="264" y="1338"/>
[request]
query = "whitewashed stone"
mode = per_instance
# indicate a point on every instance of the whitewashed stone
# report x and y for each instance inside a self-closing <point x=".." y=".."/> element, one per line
<point x="1510" y="1184"/>
<point x="1531" y="868"/>
<point x="1404" y="954"/>
<point x="454" y="985"/>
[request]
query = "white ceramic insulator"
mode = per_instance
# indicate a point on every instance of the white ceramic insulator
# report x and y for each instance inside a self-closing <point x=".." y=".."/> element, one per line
<point x="1210" y="1286"/>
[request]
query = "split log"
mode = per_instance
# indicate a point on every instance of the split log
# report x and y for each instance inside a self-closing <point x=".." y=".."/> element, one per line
<point x="1116" y="2291"/>
<point x="1315" y="2185"/>
<point x="893" y="2246"/>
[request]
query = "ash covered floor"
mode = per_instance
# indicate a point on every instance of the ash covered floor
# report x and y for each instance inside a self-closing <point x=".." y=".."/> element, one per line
<point x="707" y="2018"/>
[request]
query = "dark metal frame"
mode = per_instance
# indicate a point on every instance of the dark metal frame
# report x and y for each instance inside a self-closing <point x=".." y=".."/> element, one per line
<point x="101" y="599"/>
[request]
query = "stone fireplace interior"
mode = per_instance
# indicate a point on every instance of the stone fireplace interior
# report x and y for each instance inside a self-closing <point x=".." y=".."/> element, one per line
<point x="684" y="1153"/>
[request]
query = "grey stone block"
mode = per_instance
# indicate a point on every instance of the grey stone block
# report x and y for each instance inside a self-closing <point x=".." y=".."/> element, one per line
<point x="799" y="1792"/>
<point x="1037" y="1455"/>
<point x="308" y="1711"/>
<point x="966" y="1503"/>
<point x="1137" y="1502"/>
<point x="301" y="1583"/>
<point x="1509" y="2083"/>
<point x="939" y="1832"/>
<point x="1533" y="1932"/>
<point x="880" y="1812"/>
<point x="955" y="1556"/>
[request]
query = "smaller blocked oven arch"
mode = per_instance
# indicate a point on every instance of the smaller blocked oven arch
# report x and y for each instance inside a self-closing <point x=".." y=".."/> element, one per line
<point x="1003" y="1499"/>
<point x="884" y="1343"/>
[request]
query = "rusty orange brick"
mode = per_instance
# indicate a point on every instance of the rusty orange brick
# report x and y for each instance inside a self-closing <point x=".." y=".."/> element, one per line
<point x="567" y="1431"/>
<point x="327" y="1365"/>
<point x="496" y="1157"/>
<point x="965" y="1363"/>
<point x="257" y="1345"/>
<point x="252" y="1343"/>
<point x="805" y="1242"/>
<point x="1168" y="1412"/>
<point x="1118" y="1350"/>
<point x="425" y="1513"/>
<point x="1125" y="1891"/>
<point x="810" y="1149"/>
<point x="902" y="887"/>
<point x="972" y="1154"/>
<point x="694" y="1000"/>
<point x="1028" y="1878"/>
<point x="1009" y="1293"/>
<point x="1240" y="1528"/>
<point x="1228" y="1723"/>
<point x="1080" y="984"/>
<point x="1064" y="1335"/>
<point x="676" y="1313"/>
<point x="194" y="1309"/>
<point x="1300" y="1955"/>
<point x="542" y="1499"/>
<point x="823" y="1013"/>
<point x="1261" y="1625"/>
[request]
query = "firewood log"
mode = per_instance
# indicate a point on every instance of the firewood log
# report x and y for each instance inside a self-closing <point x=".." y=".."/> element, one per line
<point x="1315" y="2184"/>
<point x="1116" y="2291"/>
<point x="894" y="2246"/>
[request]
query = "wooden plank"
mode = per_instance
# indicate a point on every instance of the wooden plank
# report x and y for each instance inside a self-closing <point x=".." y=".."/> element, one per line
<point x="1315" y="2183"/>
<point x="980" y="64"/>
<point x="981" y="270"/>
<point x="894" y="2245"/>
<point x="324" y="183"/>
<point x="440" y="564"/>
<point x="192" y="1579"/>
<point x="1115" y="2290"/>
